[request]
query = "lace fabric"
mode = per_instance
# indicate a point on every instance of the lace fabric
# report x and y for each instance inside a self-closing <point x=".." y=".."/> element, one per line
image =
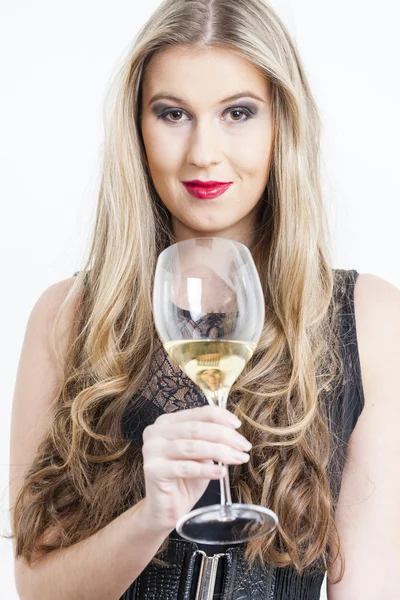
<point x="170" y="389"/>
<point x="167" y="389"/>
<point x="167" y="385"/>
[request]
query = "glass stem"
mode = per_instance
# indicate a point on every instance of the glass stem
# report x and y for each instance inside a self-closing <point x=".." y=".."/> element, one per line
<point x="225" y="487"/>
<point x="226" y="499"/>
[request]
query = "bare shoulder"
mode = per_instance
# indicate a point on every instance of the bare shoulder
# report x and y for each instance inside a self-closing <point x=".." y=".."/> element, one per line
<point x="37" y="381"/>
<point x="66" y="294"/>
<point x="372" y="293"/>
<point x="377" y="314"/>
<point x="51" y="299"/>
<point x="367" y="515"/>
<point x="38" y="375"/>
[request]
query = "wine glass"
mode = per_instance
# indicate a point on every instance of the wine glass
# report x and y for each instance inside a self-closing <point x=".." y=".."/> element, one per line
<point x="208" y="308"/>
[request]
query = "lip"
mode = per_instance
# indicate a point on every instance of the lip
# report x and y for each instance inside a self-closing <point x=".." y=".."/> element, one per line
<point x="206" y="190"/>
<point x="209" y="183"/>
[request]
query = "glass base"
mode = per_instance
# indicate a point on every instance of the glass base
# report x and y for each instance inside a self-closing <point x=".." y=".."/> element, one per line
<point x="229" y="524"/>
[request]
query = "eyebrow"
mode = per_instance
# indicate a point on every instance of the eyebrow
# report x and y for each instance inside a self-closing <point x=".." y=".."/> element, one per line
<point x="167" y="96"/>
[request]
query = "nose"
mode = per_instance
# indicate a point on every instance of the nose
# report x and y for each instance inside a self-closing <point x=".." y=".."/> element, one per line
<point x="204" y="145"/>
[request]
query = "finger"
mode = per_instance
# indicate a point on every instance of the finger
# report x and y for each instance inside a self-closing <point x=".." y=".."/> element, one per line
<point x="198" y="430"/>
<point x="199" y="449"/>
<point x="162" y="470"/>
<point x="209" y="413"/>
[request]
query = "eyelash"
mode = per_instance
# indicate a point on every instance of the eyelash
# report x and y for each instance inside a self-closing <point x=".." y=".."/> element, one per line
<point x="243" y="109"/>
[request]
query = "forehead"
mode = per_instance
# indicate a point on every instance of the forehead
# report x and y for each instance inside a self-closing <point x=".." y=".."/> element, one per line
<point x="202" y="74"/>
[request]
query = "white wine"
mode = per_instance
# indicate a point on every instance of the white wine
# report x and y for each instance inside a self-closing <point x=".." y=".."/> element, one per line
<point x="213" y="365"/>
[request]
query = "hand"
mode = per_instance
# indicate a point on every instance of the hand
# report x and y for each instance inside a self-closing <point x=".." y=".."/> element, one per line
<point x="178" y="453"/>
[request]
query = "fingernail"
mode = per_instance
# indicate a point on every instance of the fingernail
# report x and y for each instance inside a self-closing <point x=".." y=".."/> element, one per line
<point x="242" y="456"/>
<point x="244" y="444"/>
<point x="235" y="421"/>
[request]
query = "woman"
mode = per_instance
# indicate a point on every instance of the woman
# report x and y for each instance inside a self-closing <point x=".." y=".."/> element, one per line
<point x="119" y="443"/>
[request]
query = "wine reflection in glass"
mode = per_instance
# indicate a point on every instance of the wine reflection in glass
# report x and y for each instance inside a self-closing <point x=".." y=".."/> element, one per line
<point x="208" y="308"/>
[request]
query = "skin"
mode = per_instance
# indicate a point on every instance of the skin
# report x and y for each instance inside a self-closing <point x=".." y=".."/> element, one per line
<point x="212" y="378"/>
<point x="206" y="141"/>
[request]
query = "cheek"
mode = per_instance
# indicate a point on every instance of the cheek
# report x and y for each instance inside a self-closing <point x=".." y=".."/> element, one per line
<point x="163" y="153"/>
<point x="252" y="155"/>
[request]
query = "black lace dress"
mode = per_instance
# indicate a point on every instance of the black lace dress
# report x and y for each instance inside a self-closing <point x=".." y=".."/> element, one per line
<point x="168" y="389"/>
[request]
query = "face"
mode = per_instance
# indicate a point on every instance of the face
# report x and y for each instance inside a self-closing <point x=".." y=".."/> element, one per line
<point x="212" y="378"/>
<point x="203" y="135"/>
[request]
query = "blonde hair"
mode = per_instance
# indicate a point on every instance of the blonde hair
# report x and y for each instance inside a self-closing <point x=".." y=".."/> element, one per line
<point x="84" y="460"/>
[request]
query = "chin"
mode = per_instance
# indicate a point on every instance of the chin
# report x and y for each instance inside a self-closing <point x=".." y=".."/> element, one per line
<point x="215" y="230"/>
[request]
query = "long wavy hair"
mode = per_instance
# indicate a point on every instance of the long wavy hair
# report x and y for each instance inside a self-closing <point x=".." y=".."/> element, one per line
<point x="86" y="472"/>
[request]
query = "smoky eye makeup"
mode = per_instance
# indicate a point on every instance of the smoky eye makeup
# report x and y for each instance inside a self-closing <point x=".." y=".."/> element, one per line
<point x="160" y="108"/>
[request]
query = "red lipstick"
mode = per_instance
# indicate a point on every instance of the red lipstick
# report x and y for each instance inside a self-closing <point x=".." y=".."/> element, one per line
<point x="206" y="190"/>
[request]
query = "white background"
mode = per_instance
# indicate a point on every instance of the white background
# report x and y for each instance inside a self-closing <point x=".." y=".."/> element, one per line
<point x="57" y="60"/>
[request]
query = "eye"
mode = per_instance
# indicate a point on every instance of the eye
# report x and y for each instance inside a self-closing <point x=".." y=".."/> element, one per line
<point x="175" y="112"/>
<point x="242" y="110"/>
<point x="171" y="111"/>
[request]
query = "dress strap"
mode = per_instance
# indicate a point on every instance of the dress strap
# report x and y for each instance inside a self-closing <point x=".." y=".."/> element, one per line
<point x="85" y="280"/>
<point x="349" y="338"/>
